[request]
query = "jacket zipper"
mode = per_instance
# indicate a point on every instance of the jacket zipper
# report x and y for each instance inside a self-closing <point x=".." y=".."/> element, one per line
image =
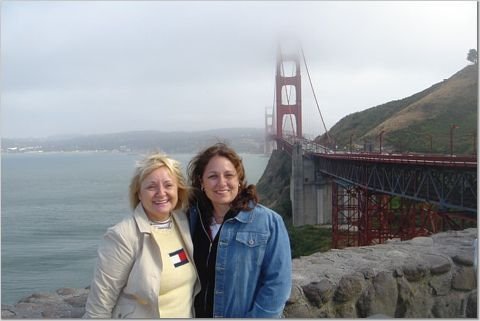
<point x="208" y="257"/>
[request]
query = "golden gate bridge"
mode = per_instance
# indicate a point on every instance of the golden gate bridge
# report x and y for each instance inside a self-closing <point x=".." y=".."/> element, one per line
<point x="371" y="196"/>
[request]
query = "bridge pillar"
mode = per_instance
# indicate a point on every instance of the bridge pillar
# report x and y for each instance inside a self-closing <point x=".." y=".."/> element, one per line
<point x="284" y="108"/>
<point x="269" y="131"/>
<point x="296" y="188"/>
<point x="311" y="194"/>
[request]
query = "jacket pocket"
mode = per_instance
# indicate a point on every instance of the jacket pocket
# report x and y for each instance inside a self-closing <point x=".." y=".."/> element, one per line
<point x="123" y="310"/>
<point x="252" y="247"/>
<point x="252" y="239"/>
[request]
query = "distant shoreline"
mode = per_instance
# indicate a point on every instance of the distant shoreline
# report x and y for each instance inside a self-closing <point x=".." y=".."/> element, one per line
<point x="242" y="140"/>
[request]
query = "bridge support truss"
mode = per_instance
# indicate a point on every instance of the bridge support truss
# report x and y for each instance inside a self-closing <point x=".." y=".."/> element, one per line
<point x="361" y="217"/>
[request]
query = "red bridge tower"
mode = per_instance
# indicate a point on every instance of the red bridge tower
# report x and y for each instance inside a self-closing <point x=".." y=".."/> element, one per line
<point x="283" y="89"/>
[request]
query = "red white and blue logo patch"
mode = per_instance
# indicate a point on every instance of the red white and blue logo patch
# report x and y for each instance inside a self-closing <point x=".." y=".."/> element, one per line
<point x="178" y="258"/>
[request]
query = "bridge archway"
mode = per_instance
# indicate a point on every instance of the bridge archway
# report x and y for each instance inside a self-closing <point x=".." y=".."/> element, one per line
<point x="288" y="93"/>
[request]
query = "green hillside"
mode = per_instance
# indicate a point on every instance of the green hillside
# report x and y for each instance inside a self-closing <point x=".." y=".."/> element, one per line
<point x="419" y="123"/>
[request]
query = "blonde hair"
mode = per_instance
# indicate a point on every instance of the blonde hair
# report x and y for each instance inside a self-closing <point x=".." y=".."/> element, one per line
<point x="151" y="163"/>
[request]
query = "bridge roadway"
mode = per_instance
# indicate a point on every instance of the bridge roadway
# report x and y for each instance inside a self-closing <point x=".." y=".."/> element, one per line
<point x="447" y="181"/>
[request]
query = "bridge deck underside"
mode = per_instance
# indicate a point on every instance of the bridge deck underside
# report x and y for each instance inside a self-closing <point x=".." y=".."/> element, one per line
<point x="447" y="188"/>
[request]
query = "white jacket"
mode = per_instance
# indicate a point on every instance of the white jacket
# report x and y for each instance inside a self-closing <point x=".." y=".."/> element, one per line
<point x="126" y="282"/>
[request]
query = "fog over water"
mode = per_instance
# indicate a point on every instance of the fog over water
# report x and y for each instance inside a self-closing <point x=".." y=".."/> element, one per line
<point x="86" y="67"/>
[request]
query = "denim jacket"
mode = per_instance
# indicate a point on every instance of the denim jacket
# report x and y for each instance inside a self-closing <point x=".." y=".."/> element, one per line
<point x="253" y="272"/>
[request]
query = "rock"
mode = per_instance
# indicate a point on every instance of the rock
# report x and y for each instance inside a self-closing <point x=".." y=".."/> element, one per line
<point x="384" y="297"/>
<point x="421" y="240"/>
<point x="438" y="263"/>
<point x="319" y="293"/>
<point x="405" y="297"/>
<point x="64" y="303"/>
<point x="471" y="311"/>
<point x="441" y="284"/>
<point x="345" y="310"/>
<point x="463" y="259"/>
<point x="8" y="311"/>
<point x="414" y="271"/>
<point x="295" y="294"/>
<point x="464" y="279"/>
<point x="349" y="287"/>
<point x="448" y="306"/>
<point x="298" y="311"/>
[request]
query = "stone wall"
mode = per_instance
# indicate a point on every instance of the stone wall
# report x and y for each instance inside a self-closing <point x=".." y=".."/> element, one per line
<point x="426" y="277"/>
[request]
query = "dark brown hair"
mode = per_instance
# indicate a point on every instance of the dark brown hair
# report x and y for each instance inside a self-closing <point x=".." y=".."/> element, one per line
<point x="196" y="167"/>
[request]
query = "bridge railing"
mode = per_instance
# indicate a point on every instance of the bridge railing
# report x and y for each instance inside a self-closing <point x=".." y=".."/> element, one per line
<point x="307" y="145"/>
<point x="311" y="147"/>
<point x="412" y="159"/>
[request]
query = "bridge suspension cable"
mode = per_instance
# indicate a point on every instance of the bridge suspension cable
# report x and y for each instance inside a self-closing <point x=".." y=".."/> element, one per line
<point x="315" y="96"/>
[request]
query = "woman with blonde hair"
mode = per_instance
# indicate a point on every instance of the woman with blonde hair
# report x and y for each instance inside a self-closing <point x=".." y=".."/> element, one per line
<point x="145" y="265"/>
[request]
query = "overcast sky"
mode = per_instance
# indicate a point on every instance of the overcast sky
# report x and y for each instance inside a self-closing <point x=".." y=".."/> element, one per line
<point x="87" y="67"/>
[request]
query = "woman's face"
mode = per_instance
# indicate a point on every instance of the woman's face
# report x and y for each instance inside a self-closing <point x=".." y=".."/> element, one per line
<point x="220" y="181"/>
<point x="159" y="194"/>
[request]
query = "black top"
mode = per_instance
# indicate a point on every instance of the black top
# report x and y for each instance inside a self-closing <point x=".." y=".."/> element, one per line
<point x="205" y="254"/>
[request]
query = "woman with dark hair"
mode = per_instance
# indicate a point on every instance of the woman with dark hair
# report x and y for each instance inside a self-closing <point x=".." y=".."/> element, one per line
<point x="241" y="248"/>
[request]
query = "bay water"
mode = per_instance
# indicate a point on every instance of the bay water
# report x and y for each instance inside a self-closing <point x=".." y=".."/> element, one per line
<point x="55" y="207"/>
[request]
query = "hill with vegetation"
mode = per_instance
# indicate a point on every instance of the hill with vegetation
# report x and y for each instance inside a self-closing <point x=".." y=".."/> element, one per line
<point x="424" y="122"/>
